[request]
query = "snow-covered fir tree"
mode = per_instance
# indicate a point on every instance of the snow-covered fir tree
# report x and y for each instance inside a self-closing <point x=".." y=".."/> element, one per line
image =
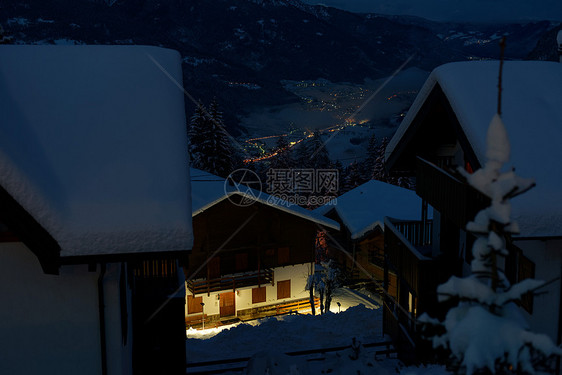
<point x="196" y="132"/>
<point x="352" y="177"/>
<point x="209" y="144"/>
<point x="317" y="152"/>
<point x="369" y="163"/>
<point x="302" y="155"/>
<point x="338" y="167"/>
<point x="379" y="172"/>
<point x="406" y="182"/>
<point x="284" y="158"/>
<point x="486" y="333"/>
<point x="4" y="37"/>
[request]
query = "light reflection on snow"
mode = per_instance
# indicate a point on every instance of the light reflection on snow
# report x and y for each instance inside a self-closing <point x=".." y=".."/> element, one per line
<point x="344" y="296"/>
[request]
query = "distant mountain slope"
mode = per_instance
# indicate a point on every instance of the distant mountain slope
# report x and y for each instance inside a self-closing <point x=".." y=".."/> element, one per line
<point x="240" y="50"/>
<point x="481" y="11"/>
<point x="546" y="46"/>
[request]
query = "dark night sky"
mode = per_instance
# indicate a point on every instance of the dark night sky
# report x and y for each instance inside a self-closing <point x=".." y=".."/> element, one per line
<point x="457" y="10"/>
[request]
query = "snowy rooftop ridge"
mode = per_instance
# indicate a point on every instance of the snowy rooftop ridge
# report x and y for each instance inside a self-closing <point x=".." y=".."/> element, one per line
<point x="364" y="208"/>
<point x="532" y="113"/>
<point x="208" y="189"/>
<point x="93" y="146"/>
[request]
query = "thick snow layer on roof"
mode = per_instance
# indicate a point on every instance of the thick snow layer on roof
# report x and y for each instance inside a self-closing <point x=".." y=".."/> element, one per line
<point x="532" y="114"/>
<point x="93" y="146"/>
<point x="208" y="190"/>
<point x="365" y="207"/>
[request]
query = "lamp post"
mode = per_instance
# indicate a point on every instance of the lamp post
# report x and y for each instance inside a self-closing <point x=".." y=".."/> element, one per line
<point x="203" y="314"/>
<point x="339" y="307"/>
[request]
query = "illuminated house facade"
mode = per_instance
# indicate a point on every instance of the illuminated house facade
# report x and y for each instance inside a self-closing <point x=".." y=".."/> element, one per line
<point x="248" y="260"/>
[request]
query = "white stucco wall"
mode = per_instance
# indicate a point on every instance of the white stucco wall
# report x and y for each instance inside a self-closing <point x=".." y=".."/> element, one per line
<point x="243" y="298"/>
<point x="49" y="324"/>
<point x="297" y="274"/>
<point x="547" y="256"/>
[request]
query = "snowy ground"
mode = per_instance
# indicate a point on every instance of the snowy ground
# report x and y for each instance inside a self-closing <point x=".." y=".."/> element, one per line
<point x="266" y="340"/>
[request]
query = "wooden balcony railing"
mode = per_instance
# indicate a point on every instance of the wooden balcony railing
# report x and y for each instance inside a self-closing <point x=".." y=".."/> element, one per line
<point x="415" y="271"/>
<point x="417" y="233"/>
<point x="403" y="257"/>
<point x="231" y="282"/>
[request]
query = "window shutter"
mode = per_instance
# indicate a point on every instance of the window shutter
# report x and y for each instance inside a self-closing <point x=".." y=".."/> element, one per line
<point x="283" y="256"/>
<point x="194" y="305"/>
<point x="258" y="295"/>
<point x="283" y="289"/>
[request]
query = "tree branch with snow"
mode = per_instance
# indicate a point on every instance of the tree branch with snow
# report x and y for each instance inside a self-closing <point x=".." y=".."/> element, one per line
<point x="485" y="332"/>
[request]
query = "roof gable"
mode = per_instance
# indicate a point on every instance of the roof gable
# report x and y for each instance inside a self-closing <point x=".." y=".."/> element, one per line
<point x="532" y="113"/>
<point x="93" y="146"/>
<point x="364" y="208"/>
<point x="208" y="190"/>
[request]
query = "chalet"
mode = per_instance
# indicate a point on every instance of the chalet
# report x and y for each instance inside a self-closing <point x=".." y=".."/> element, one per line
<point x="247" y="260"/>
<point x="361" y="214"/>
<point x="444" y="130"/>
<point x="94" y="210"/>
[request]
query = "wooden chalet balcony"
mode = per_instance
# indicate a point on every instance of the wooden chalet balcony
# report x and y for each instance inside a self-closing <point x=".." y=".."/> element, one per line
<point x="408" y="254"/>
<point x="231" y="282"/>
<point x="453" y="198"/>
<point x="416" y="233"/>
<point x="407" y="249"/>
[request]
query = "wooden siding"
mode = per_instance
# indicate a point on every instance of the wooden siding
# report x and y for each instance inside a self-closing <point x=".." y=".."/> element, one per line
<point x="453" y="198"/>
<point x="417" y="279"/>
<point x="526" y="271"/>
<point x="408" y="263"/>
<point x="155" y="277"/>
<point x="270" y="239"/>
<point x="370" y="256"/>
<point x="157" y="268"/>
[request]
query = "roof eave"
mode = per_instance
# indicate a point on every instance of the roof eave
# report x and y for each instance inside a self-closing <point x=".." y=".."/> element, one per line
<point x="30" y="232"/>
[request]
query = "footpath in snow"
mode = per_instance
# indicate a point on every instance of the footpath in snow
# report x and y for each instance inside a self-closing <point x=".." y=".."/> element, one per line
<point x="266" y="340"/>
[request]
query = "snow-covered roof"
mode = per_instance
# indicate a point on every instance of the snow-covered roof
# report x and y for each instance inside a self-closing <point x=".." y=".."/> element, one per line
<point x="532" y="113"/>
<point x="364" y="208"/>
<point x="208" y="189"/>
<point x="93" y="146"/>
